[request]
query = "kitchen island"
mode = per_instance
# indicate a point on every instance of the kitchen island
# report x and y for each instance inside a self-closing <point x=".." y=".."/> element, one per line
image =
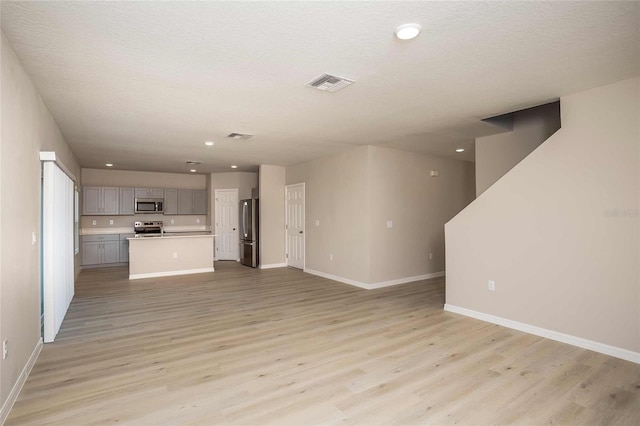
<point x="170" y="254"/>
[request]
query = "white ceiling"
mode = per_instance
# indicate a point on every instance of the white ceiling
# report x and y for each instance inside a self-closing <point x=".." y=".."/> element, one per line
<point x="144" y="84"/>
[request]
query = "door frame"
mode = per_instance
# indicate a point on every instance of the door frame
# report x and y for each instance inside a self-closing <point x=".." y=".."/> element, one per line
<point x="215" y="223"/>
<point x="304" y="226"/>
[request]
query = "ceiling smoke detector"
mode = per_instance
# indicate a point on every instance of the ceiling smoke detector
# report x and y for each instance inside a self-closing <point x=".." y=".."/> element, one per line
<point x="329" y="83"/>
<point x="238" y="136"/>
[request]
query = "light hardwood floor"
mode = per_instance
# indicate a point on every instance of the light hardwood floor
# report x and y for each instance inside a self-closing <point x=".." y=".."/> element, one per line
<point x="280" y="347"/>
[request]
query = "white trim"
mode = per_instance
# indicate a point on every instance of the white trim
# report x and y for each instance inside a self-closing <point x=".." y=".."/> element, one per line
<point x="374" y="286"/>
<point x="273" y="265"/>
<point x="17" y="387"/>
<point x="51" y="156"/>
<point x="170" y="273"/>
<point x="549" y="334"/>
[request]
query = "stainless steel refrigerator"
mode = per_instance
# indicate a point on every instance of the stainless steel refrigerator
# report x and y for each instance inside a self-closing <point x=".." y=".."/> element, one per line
<point x="249" y="232"/>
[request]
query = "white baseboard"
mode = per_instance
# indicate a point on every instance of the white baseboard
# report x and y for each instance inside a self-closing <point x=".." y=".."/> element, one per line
<point x="273" y="265"/>
<point x="549" y="334"/>
<point x="373" y="286"/>
<point x="22" y="378"/>
<point x="170" y="273"/>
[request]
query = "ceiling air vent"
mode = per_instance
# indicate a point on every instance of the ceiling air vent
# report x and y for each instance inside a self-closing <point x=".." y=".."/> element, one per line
<point x="193" y="162"/>
<point x="238" y="136"/>
<point x="329" y="83"/>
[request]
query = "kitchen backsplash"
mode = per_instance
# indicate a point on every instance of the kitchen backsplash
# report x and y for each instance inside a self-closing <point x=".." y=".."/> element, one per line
<point x="86" y="222"/>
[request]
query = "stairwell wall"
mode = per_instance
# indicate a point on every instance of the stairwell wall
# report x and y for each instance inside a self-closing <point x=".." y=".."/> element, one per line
<point x="559" y="233"/>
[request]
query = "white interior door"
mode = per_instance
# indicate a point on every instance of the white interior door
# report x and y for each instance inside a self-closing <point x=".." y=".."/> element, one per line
<point x="295" y="225"/>
<point x="226" y="227"/>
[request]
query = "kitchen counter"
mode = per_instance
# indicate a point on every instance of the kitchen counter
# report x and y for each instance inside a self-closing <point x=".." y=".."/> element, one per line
<point x="129" y="230"/>
<point x="178" y="253"/>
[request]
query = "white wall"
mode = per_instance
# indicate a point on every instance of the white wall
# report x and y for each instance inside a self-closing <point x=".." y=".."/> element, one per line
<point x="497" y="154"/>
<point x="271" y="238"/>
<point x="27" y="128"/>
<point x="559" y="232"/>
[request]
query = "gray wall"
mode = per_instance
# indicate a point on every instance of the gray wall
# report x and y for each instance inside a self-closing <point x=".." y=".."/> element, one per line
<point x="355" y="193"/>
<point x="497" y="154"/>
<point x="271" y="240"/>
<point x="336" y="195"/>
<point x="559" y="232"/>
<point x="27" y="129"/>
<point x="402" y="190"/>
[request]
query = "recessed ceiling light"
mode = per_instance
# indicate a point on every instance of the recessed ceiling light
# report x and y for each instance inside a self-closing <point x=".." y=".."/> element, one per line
<point x="193" y="170"/>
<point x="109" y="165"/>
<point x="208" y="143"/>
<point x="408" y="31"/>
<point x="234" y="166"/>
<point x="460" y="150"/>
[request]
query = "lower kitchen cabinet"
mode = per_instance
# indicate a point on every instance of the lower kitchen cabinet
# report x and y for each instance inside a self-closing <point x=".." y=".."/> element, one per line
<point x="100" y="249"/>
<point x="124" y="248"/>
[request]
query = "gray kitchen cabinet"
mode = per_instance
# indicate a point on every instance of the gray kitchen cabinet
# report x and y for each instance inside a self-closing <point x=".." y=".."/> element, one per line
<point x="126" y="201"/>
<point x="149" y="193"/>
<point x="124" y="248"/>
<point x="199" y="201"/>
<point x="170" y="201"/>
<point x="192" y="201"/>
<point x="100" y="200"/>
<point x="100" y="249"/>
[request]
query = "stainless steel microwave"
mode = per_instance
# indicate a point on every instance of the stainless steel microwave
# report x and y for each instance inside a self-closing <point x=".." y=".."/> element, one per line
<point x="149" y="205"/>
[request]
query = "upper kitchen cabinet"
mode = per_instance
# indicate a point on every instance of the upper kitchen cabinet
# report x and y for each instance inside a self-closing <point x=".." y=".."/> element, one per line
<point x="149" y="193"/>
<point x="170" y="201"/>
<point x="100" y="200"/>
<point x="192" y="201"/>
<point x="127" y="201"/>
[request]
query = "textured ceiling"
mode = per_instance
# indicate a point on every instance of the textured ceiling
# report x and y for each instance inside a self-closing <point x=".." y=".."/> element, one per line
<point x="144" y="84"/>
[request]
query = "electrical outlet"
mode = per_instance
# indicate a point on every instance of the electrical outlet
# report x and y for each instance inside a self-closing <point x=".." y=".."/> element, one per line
<point x="430" y="256"/>
<point x="491" y="285"/>
<point x="331" y="257"/>
<point x="175" y="254"/>
<point x="389" y="224"/>
<point x="93" y="222"/>
<point x="34" y="238"/>
<point x="197" y="220"/>
<point x="110" y="221"/>
<point x="173" y="221"/>
<point x="5" y="349"/>
<point x="317" y="222"/>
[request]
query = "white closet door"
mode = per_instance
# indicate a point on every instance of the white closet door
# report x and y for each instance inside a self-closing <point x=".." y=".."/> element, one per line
<point x="57" y="245"/>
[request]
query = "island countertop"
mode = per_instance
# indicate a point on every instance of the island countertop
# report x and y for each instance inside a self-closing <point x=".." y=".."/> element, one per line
<point x="172" y="235"/>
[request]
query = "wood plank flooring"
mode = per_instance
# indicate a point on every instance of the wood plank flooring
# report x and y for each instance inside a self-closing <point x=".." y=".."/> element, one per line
<point x="279" y="347"/>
